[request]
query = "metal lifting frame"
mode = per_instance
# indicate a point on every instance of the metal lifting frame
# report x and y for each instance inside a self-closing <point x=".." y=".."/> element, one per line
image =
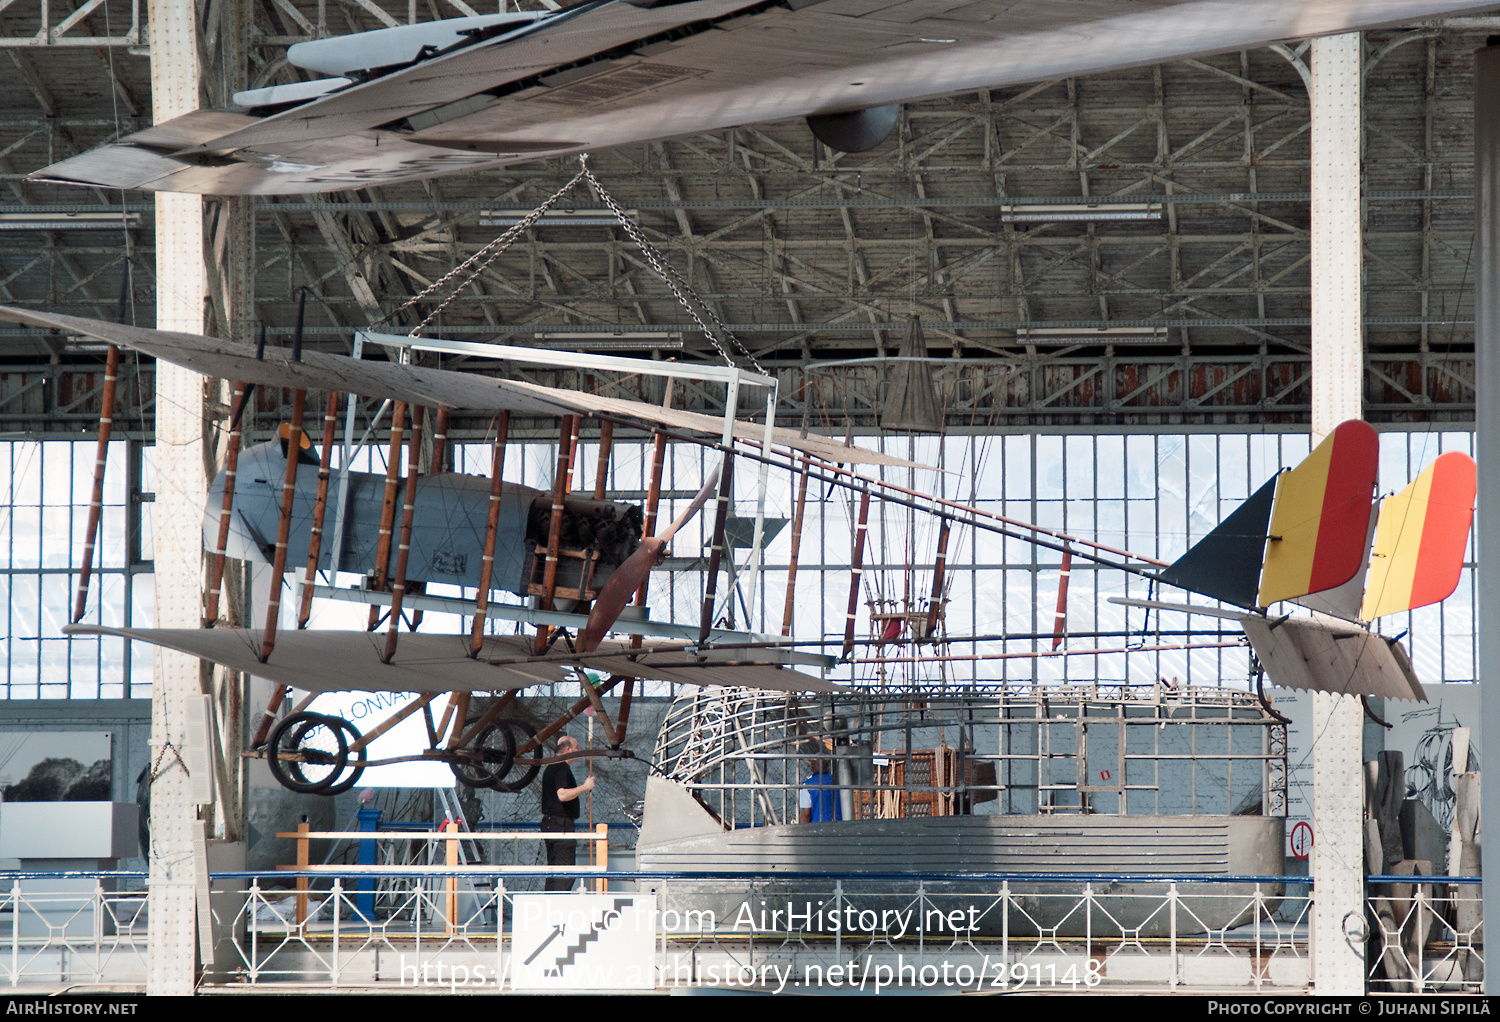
<point x="732" y="377"/>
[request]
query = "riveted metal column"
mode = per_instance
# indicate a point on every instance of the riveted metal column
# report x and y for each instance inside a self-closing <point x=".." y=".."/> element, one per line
<point x="1487" y="450"/>
<point x="1337" y="374"/>
<point x="182" y="489"/>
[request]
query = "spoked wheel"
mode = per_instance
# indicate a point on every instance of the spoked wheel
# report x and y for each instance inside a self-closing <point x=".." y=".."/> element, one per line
<point x="522" y="733"/>
<point x="307" y="753"/>
<point x="349" y="777"/>
<point x="486" y="758"/>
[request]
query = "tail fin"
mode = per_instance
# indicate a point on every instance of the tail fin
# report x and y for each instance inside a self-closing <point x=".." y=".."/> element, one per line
<point x="1420" y="539"/>
<point x="1320" y="524"/>
<point x="1304" y="531"/>
<point x="1225" y="564"/>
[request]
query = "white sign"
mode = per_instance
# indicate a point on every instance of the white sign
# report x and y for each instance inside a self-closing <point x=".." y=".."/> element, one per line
<point x="583" y="942"/>
<point x="367" y="711"/>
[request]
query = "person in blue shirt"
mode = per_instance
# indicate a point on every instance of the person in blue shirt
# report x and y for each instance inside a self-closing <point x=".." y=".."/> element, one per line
<point x="818" y="801"/>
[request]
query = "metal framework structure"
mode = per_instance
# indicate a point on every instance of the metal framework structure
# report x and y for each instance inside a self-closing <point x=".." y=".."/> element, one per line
<point x="1129" y="251"/>
<point x="1112" y="750"/>
<point x="993" y="216"/>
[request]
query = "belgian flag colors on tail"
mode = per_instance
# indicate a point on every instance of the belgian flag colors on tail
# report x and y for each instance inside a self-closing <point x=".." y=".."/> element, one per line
<point x="1305" y="535"/>
<point x="1320" y="523"/>
<point x="1304" y="531"/>
<point x="1420" y="539"/>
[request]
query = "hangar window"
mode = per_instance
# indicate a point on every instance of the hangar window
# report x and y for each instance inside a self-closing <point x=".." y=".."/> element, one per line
<point x="1153" y="493"/>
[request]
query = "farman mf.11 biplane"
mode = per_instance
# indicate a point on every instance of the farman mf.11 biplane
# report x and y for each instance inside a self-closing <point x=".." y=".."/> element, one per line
<point x="585" y="560"/>
<point x="1304" y="537"/>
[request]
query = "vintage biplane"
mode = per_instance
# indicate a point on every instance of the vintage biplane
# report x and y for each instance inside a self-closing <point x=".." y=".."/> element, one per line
<point x="586" y="560"/>
<point x="1304" y="536"/>
<point x="454" y="96"/>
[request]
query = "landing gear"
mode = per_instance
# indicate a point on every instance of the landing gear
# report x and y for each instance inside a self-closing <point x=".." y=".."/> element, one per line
<point x="527" y="734"/>
<point x="308" y="753"/>
<point x="485" y="762"/>
<point x="487" y="758"/>
<point x="355" y="764"/>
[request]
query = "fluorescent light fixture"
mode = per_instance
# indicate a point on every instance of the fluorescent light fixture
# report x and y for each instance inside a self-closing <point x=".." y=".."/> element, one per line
<point x="1062" y="212"/>
<point x="102" y="221"/>
<point x="611" y="341"/>
<point x="1101" y="335"/>
<point x="553" y="217"/>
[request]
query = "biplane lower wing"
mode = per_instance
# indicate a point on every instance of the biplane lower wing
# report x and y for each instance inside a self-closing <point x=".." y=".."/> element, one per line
<point x="230" y="360"/>
<point x="331" y="661"/>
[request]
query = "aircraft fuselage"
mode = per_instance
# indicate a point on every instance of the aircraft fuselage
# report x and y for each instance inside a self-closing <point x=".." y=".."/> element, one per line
<point x="448" y="528"/>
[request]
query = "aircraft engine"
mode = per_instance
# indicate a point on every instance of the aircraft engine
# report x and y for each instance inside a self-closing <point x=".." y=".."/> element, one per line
<point x="448" y="530"/>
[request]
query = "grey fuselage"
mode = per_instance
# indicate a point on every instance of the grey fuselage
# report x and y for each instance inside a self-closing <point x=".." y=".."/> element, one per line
<point x="448" y="526"/>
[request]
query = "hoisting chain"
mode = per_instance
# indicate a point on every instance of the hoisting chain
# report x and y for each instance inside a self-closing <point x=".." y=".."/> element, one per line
<point x="494" y="250"/>
<point x="681" y="289"/>
<point x="668" y="275"/>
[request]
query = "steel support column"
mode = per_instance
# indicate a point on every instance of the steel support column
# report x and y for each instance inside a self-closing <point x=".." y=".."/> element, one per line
<point x="181" y="491"/>
<point x="1487" y="450"/>
<point x="1337" y="359"/>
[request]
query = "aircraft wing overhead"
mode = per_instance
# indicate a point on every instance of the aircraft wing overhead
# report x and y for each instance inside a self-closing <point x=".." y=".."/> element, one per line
<point x="230" y="360"/>
<point x="332" y="661"/>
<point x="615" y="72"/>
<point x="573" y="35"/>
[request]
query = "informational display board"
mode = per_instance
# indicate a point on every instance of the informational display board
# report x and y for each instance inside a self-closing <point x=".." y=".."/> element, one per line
<point x="55" y="766"/>
<point x="1423" y="732"/>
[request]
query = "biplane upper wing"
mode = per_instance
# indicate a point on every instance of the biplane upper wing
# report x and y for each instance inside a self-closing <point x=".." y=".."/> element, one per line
<point x="230" y="360"/>
<point x="611" y="72"/>
<point x="337" y="661"/>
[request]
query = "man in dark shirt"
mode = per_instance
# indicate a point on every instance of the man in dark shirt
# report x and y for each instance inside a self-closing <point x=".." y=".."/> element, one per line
<point x="559" y="811"/>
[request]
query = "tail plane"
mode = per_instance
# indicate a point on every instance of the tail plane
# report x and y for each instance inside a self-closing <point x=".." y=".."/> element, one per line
<point x="1306" y="535"/>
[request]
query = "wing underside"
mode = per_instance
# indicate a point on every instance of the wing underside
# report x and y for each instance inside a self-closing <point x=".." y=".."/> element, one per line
<point x="1328" y="655"/>
<point x="229" y="360"/>
<point x="613" y="73"/>
<point x="329" y="661"/>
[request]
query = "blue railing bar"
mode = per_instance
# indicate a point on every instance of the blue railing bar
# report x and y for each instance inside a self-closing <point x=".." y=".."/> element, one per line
<point x="1391" y="879"/>
<point x="428" y="828"/>
<point x="800" y="875"/>
<point x="71" y="874"/>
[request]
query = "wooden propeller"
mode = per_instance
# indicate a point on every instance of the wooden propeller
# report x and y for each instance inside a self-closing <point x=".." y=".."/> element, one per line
<point x="628" y="577"/>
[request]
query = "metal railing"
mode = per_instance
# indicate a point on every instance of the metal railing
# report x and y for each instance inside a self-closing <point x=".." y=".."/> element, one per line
<point x="73" y="930"/>
<point x="1426" y="935"/>
<point x="766" y="931"/>
<point x="889" y="932"/>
